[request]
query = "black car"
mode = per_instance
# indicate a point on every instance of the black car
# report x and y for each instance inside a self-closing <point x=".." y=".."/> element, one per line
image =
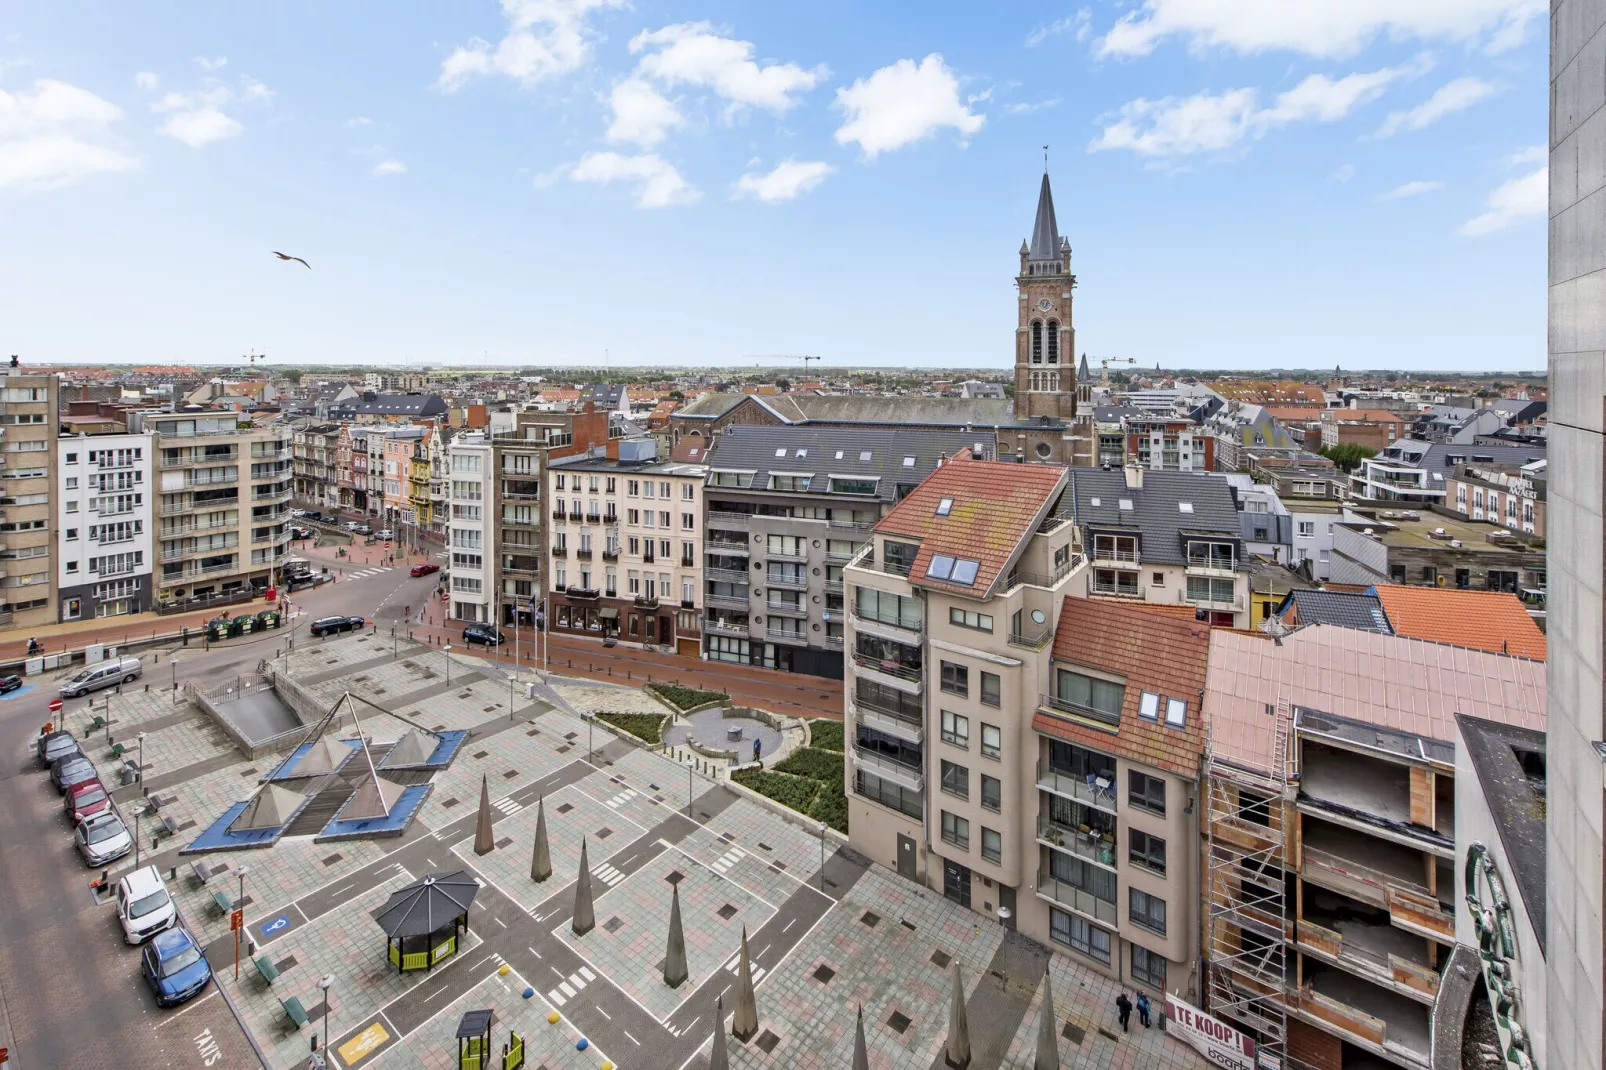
<point x="312" y="514"/>
<point x="300" y="532"/>
<point x="71" y="769"/>
<point x="335" y="625"/>
<point x="482" y="633"/>
<point x="9" y="684"/>
<point x="55" y="745"/>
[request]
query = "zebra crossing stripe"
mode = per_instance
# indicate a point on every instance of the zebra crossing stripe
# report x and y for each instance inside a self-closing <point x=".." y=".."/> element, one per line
<point x="508" y="806"/>
<point x="608" y="874"/>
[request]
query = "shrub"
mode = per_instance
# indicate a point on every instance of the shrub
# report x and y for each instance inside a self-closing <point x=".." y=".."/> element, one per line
<point x="826" y="735"/>
<point x="685" y="698"/>
<point x="831" y="810"/>
<point x="822" y="765"/>
<point x="794" y="792"/>
<point x="645" y="726"/>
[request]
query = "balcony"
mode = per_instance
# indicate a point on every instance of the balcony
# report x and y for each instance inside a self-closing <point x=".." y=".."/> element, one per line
<point x="1371" y="1017"/>
<point x="851" y="525"/>
<point x="201" y="461"/>
<point x="1095" y="847"/>
<point x="1117" y="588"/>
<point x="786" y="635"/>
<point x="1205" y="566"/>
<point x="728" y="601"/>
<point x="646" y="601"/>
<point x="791" y="583"/>
<point x="833" y="586"/>
<point x="838" y="557"/>
<point x="194" y="572"/>
<point x="883" y="719"/>
<point x="792" y="552"/>
<point x="725" y="627"/>
<point x="687" y="561"/>
<point x="178" y="553"/>
<point x="1128" y="558"/>
<point x="834" y="641"/>
<point x="283" y="454"/>
<point x="557" y="513"/>
<point x="560" y="550"/>
<point x="271" y="497"/>
<point x="907" y="776"/>
<point x="583" y="554"/>
<point x="593" y="518"/>
<point x="1075" y="899"/>
<point x="725" y="575"/>
<point x="610" y="553"/>
<point x="899" y="674"/>
<point x="1381" y="953"/>
<point x="905" y="630"/>
<point x="795" y="609"/>
<point x="1097" y="792"/>
<point x="1230" y="605"/>
<point x="730" y="520"/>
<point x="717" y="546"/>
<point x="1055" y="704"/>
<point x="575" y="515"/>
<point x="583" y="594"/>
<point x="1035" y="637"/>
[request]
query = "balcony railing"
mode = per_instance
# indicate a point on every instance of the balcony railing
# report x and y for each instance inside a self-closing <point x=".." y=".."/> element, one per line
<point x="725" y="575"/>
<point x="1118" y="590"/>
<point x="575" y="514"/>
<point x="873" y="715"/>
<point x="725" y="627"/>
<point x="560" y="550"/>
<point x="792" y="608"/>
<point x="1033" y="638"/>
<point x="717" y="546"/>
<point x="1044" y="579"/>
<point x="1060" y="705"/>
<point x="904" y="624"/>
<point x="1097" y="792"/>
<point x="558" y="513"/>
<point x="729" y="520"/>
<point x="1073" y="898"/>
<point x="729" y="601"/>
<point x="911" y="777"/>
<point x="833" y="586"/>
<point x="788" y="551"/>
<point x="646" y="601"/>
<point x="851" y="525"/>
<point x="786" y="635"/>
<point x="888" y="667"/>
<point x="1090" y="845"/>
<point x="583" y="594"/>
<point x="1234" y="603"/>
<point x="795" y="583"/>
<point x="834" y="641"/>
<point x="1127" y="557"/>
<point x="610" y="553"/>
<point x="583" y="554"/>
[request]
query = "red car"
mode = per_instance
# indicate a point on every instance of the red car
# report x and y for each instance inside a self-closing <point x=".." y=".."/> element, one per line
<point x="425" y="570"/>
<point x="86" y="800"/>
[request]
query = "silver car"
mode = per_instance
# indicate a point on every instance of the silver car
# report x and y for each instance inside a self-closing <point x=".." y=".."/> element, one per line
<point x="103" y="838"/>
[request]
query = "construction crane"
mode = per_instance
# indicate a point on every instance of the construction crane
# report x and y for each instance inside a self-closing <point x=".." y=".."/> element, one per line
<point x="1104" y="365"/>
<point x="783" y="359"/>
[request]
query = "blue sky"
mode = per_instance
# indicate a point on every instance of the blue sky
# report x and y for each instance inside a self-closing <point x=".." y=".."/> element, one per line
<point x="1245" y="183"/>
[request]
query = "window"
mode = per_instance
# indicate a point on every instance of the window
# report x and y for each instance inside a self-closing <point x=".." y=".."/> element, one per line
<point x="1146" y="850"/>
<point x="990" y="689"/>
<point x="1149" y="706"/>
<point x="848" y="485"/>
<point x="945" y="507"/>
<point x="688" y="521"/>
<point x="955" y="729"/>
<point x="992" y="845"/>
<point x="1146" y="792"/>
<point x="1208" y="589"/>
<point x="955" y="830"/>
<point x="965" y="618"/>
<point x="1087" y="695"/>
<point x="956" y="570"/>
<point x="1148" y="968"/>
<point x="1079" y="935"/>
<point x="992" y="741"/>
<point x="1159" y="579"/>
<point x="992" y="793"/>
<point x="687" y="493"/>
<point x="868" y="785"/>
<point x="1176" y="712"/>
<point x="1147" y="910"/>
<point x="955" y="679"/>
<point x="1307" y="529"/>
<point x="888" y="608"/>
<point x="956" y="780"/>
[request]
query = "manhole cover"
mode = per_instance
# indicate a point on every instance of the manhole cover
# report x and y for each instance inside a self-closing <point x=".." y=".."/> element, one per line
<point x="510" y="774"/>
<point x="332" y="859"/>
<point x="871" y="918"/>
<point x="940" y="959"/>
<point x="533" y="732"/>
<point x="899" y="1021"/>
<point x="604" y="833"/>
<point x="504" y="841"/>
<point x="481" y="753"/>
<point x="285" y="963"/>
<point x="565" y="808"/>
<point x="762" y="846"/>
<point x="727" y="912"/>
<point x="824" y="973"/>
<point x="613" y="924"/>
<point x="563" y="749"/>
<point x="778" y="865"/>
<point x="907" y="924"/>
<point x="249" y="773"/>
<point x="448" y="804"/>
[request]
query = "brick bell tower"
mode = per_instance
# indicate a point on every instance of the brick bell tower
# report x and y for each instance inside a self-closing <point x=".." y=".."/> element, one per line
<point x="1045" y="342"/>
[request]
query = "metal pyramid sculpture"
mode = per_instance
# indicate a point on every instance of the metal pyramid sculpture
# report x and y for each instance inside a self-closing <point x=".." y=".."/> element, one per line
<point x="541" y="864"/>
<point x="957" y="1049"/>
<point x="585" y="918"/>
<point x="325" y="756"/>
<point x="484" y="836"/>
<point x="270" y="808"/>
<point x="861" y="1055"/>
<point x="373" y="798"/>
<point x="744" y="1023"/>
<point x="414" y="748"/>
<point x="675" y="958"/>
<point x="1048" y="1050"/>
<point x="718" y="1058"/>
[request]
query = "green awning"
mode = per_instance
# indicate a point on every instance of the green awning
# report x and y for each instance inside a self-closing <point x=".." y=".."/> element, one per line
<point x="608" y="613"/>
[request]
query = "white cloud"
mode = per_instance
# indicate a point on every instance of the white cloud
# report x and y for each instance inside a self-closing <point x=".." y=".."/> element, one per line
<point x="1027" y="107"/>
<point x="901" y="104"/>
<point x="1530" y="155"/>
<point x="389" y="167"/>
<point x="545" y="38"/>
<point x="146" y="80"/>
<point x="1345" y="173"/>
<point x="198" y="118"/>
<point x="789" y="180"/>
<point x="1213" y="122"/>
<point x="691" y="53"/>
<point x="658" y="183"/>
<point x="212" y="64"/>
<point x="1449" y="98"/>
<point x="55" y="135"/>
<point x="1519" y="199"/>
<point x="1326" y="28"/>
<point x="1079" y="26"/>
<point x="641" y="114"/>
<point x="201" y="126"/>
<point x="1410" y="189"/>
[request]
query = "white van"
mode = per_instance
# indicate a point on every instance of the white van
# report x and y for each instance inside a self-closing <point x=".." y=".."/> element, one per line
<point x="105" y="674"/>
<point x="143" y="906"/>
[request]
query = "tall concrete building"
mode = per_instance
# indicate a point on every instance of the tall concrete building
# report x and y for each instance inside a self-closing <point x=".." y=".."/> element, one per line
<point x="1576" y="969"/>
<point x="28" y="428"/>
<point x="106" y="490"/>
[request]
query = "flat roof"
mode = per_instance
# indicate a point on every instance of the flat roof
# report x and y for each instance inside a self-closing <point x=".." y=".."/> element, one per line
<point x="1473" y="534"/>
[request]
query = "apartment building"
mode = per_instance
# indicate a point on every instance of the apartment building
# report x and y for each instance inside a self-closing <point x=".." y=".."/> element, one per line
<point x="787" y="508"/>
<point x="28" y="429"/>
<point x="1434" y="549"/>
<point x="1512" y="496"/>
<point x="1330" y="830"/>
<point x="626" y="544"/>
<point x="105" y="523"/>
<point x="221" y="519"/>
<point x="1415" y="472"/>
<point x="1172" y="444"/>
<point x="316" y="449"/>
<point x="471" y="531"/>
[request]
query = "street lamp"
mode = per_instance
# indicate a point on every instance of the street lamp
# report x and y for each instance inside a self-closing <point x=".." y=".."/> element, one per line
<point x="326" y="982"/>
<point x="239" y="904"/>
<point x="448" y="650"/>
<point x="590" y="719"/>
<point x="822" y="859"/>
<point x="140" y="773"/>
<point x="690" y="764"/>
<point x="173" y="664"/>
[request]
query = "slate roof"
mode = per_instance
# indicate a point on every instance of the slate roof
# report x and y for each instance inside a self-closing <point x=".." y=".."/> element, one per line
<point x="1156" y="651"/>
<point x="1435" y="456"/>
<point x="1345" y="609"/>
<point x="1484" y="620"/>
<point x="862" y="409"/>
<point x="372" y="404"/>
<point x="1045" y="230"/>
<point x="1155" y="513"/>
<point x="821" y="452"/>
<point x="996" y="507"/>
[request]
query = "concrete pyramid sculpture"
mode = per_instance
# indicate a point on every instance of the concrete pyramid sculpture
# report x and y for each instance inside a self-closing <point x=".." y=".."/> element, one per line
<point x="1048" y="1050"/>
<point x="718" y="1058"/>
<point x="861" y="1055"/>
<point x="373" y="799"/>
<point x="744" y="1023"/>
<point x="325" y="756"/>
<point x="268" y="809"/>
<point x="957" y="1049"/>
<point x="585" y="918"/>
<point x="414" y="748"/>
<point x="484" y="835"/>
<point x="541" y="864"/>
<point x="675" y="958"/>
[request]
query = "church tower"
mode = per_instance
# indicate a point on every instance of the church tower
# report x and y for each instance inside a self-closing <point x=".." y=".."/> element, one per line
<point x="1045" y="342"/>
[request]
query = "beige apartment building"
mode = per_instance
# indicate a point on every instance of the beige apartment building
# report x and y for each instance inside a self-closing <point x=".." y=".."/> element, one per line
<point x="1026" y="750"/>
<point x="28" y="430"/>
<point x="221" y="515"/>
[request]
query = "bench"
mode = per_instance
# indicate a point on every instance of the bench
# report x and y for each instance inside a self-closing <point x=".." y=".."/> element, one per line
<point x="117" y="750"/>
<point x="95" y="725"/>
<point x="265" y="966"/>
<point x="221" y="900"/>
<point x="203" y="872"/>
<point x="168" y="826"/>
<point x="295" y="1011"/>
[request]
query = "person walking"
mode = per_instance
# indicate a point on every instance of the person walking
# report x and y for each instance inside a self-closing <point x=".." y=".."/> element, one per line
<point x="1123" y="1012"/>
<point x="1143" y="1009"/>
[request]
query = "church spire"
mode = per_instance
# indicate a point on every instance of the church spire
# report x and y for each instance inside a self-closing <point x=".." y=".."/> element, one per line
<point x="1045" y="231"/>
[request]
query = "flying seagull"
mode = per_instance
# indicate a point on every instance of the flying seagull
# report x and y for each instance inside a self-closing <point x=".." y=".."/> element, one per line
<point x="297" y="259"/>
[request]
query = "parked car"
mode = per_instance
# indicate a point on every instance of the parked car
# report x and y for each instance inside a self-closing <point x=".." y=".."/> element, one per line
<point x="385" y="533"/>
<point x="144" y="908"/>
<point x="10" y="683"/>
<point x="102" y="839"/>
<point x="53" y="745"/>
<point x="363" y="529"/>
<point x="482" y="633"/>
<point x="299" y="532"/>
<point x="425" y="569"/>
<point x="353" y="525"/>
<point x="174" y="966"/>
<point x="336" y="625"/>
<point x="312" y="514"/>
<point x="297" y="512"/>
<point x="106" y="674"/>
<point x="86" y="800"/>
<point x="70" y="770"/>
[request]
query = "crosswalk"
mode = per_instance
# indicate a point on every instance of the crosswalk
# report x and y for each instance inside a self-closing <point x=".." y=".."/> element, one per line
<point x="607" y="874"/>
<point x="570" y="986"/>
<point x="734" y="965"/>
<point x="622" y="798"/>
<point x="365" y="573"/>
<point x="509" y="806"/>
<point x="727" y="860"/>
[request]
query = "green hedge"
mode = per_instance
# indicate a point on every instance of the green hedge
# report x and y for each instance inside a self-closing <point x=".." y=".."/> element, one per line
<point x="794" y="792"/>
<point x="831" y="810"/>
<point x="825" y="735"/>
<point x="823" y="765"/>
<point x="645" y="726"/>
<point x="685" y="698"/>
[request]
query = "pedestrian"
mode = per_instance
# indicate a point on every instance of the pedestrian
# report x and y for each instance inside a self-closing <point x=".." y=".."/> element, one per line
<point x="33" y="646"/>
<point x="1123" y="1011"/>
<point x="1143" y="1009"/>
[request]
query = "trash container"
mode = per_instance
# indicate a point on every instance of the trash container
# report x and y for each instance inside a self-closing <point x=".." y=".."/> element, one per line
<point x="130" y="773"/>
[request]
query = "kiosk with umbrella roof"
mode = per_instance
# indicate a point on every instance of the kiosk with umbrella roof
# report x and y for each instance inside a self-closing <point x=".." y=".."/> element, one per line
<point x="423" y="921"/>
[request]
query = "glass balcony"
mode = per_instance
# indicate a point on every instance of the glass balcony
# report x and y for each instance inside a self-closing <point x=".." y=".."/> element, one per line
<point x="1075" y="899"/>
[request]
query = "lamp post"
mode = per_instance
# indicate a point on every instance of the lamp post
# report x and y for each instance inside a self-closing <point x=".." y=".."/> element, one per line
<point x="173" y="664"/>
<point x="690" y="764"/>
<point x="448" y="650"/>
<point x="822" y="858"/>
<point x="326" y="983"/>
<point x="239" y="904"/>
<point x="140" y="772"/>
<point x="590" y="719"/>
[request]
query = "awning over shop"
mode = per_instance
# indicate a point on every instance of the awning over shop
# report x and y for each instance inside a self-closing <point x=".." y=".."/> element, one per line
<point x="608" y="613"/>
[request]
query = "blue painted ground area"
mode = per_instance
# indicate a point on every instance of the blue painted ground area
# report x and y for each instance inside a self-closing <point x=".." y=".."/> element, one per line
<point x="450" y="743"/>
<point x="400" y="816"/>
<point x="19" y="692"/>
<point x="219" y="837"/>
<point x="287" y="770"/>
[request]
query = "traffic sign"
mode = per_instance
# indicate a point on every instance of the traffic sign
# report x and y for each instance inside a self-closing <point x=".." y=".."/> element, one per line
<point x="237" y="921"/>
<point x="55" y="705"/>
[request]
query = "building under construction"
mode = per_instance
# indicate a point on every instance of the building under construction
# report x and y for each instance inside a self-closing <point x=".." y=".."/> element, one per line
<point x="1330" y="853"/>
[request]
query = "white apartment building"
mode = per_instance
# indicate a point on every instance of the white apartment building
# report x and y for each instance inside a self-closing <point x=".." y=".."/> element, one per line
<point x="471" y="531"/>
<point x="28" y="427"/>
<point x="105" y="524"/>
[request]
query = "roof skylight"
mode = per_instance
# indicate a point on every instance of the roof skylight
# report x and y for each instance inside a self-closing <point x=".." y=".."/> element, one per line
<point x="959" y="570"/>
<point x="1126" y="505"/>
<point x="1184" y="507"/>
<point x="945" y="507"/>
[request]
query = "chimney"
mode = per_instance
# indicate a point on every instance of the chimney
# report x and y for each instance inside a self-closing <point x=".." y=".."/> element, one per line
<point x="1134" y="475"/>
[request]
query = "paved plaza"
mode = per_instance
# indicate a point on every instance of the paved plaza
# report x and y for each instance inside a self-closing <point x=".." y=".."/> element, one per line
<point x="827" y="934"/>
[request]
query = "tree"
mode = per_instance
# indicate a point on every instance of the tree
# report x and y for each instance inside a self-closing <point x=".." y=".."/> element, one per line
<point x="1347" y="455"/>
<point x="293" y="374"/>
<point x="783" y="385"/>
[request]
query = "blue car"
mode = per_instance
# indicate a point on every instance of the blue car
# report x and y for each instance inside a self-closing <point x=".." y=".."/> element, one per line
<point x="174" y="966"/>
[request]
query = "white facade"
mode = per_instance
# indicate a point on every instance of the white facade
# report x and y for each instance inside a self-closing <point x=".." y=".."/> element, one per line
<point x="105" y="504"/>
<point x="471" y="530"/>
<point x="1313" y="535"/>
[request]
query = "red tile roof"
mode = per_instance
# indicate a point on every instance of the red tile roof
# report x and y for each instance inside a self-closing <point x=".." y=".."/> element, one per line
<point x="996" y="505"/>
<point x="1483" y="620"/>
<point x="1155" y="651"/>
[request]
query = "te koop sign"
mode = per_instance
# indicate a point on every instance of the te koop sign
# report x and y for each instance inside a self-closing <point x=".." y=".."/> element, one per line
<point x="1219" y="1042"/>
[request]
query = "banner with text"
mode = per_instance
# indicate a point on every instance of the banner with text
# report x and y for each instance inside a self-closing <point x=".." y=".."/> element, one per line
<point x="1216" y="1040"/>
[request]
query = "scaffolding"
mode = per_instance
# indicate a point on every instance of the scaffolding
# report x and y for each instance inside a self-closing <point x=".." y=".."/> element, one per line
<point x="1249" y="927"/>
